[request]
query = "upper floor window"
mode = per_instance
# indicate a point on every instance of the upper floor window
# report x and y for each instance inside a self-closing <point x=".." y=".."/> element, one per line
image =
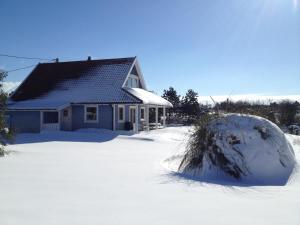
<point x="132" y="81"/>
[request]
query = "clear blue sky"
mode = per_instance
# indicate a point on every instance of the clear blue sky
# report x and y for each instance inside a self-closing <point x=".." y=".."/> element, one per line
<point x="212" y="46"/>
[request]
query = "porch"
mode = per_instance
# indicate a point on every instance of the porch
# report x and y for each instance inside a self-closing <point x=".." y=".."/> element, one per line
<point x="152" y="110"/>
<point x="147" y="117"/>
<point x="52" y="120"/>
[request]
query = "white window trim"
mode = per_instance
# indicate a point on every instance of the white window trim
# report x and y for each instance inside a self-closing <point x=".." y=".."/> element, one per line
<point x="123" y="107"/>
<point x="142" y="108"/>
<point x="133" y="77"/>
<point x="97" y="114"/>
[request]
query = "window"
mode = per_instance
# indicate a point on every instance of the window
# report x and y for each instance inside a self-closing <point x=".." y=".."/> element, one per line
<point x="50" y="117"/>
<point x="132" y="81"/>
<point x="121" y="113"/>
<point x="142" y="113"/>
<point x="91" y="114"/>
<point x="135" y="82"/>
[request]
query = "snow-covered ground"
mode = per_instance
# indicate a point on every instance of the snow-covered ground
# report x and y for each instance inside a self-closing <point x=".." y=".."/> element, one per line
<point x="101" y="177"/>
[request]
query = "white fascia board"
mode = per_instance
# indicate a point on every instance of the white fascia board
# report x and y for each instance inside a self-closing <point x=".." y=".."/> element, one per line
<point x="39" y="109"/>
<point x="63" y="106"/>
<point x="140" y="74"/>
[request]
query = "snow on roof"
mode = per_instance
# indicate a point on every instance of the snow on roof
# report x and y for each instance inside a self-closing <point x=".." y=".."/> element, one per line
<point x="93" y="81"/>
<point x="99" y="84"/>
<point x="148" y="97"/>
<point x="78" y="81"/>
<point x="52" y="85"/>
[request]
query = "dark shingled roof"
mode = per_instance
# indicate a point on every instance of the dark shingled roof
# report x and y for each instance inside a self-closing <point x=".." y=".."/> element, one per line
<point x="107" y="75"/>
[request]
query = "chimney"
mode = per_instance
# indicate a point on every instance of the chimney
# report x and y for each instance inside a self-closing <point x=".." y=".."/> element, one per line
<point x="89" y="58"/>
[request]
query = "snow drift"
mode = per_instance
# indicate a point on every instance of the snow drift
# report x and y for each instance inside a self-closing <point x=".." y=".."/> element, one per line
<point x="239" y="147"/>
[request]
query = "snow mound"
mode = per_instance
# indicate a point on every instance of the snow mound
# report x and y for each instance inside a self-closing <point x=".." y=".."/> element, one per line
<point x="239" y="147"/>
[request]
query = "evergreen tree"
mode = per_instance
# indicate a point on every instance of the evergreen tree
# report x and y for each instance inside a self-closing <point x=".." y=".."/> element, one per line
<point x="287" y="112"/>
<point x="5" y="133"/>
<point x="190" y="104"/>
<point x="172" y="96"/>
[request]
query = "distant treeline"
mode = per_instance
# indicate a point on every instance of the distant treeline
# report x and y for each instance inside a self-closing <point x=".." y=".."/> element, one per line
<point x="186" y="109"/>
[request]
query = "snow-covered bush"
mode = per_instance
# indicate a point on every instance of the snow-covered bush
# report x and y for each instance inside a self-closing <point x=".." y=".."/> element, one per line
<point x="1" y="151"/>
<point x="6" y="136"/>
<point x="5" y="133"/>
<point x="244" y="147"/>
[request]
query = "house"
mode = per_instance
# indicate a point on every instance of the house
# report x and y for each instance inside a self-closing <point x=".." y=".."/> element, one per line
<point x="107" y="93"/>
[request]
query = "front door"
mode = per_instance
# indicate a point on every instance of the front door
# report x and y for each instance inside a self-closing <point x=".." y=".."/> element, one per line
<point x="66" y="119"/>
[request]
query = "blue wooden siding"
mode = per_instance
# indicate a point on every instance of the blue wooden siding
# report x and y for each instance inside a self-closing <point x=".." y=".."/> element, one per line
<point x="105" y="117"/>
<point x="29" y="121"/>
<point x="121" y="125"/>
<point x="24" y="121"/>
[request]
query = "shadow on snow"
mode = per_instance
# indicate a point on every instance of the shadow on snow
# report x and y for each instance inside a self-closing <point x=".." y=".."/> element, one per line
<point x="228" y="181"/>
<point x="84" y="135"/>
